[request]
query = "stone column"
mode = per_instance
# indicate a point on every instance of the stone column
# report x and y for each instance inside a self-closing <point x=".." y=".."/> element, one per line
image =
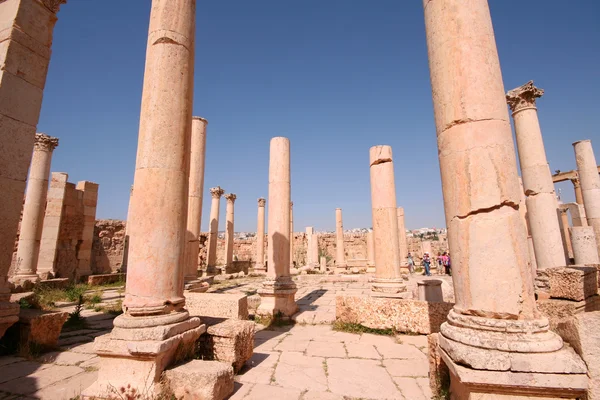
<point x="577" y="189"/>
<point x="537" y="179"/>
<point x="487" y="237"/>
<point x="278" y="290"/>
<point x="388" y="278"/>
<point x="564" y="229"/>
<point x="525" y="219"/>
<point x="583" y="239"/>
<point x="260" y="266"/>
<point x="311" y="258"/>
<point x="340" y="256"/>
<point x="291" y="234"/>
<point x="155" y="328"/>
<point x="402" y="242"/>
<point x="213" y="230"/>
<point x="590" y="184"/>
<point x="126" y="239"/>
<point x="27" y="27"/>
<point x="323" y="264"/>
<point x="34" y="209"/>
<point x="370" y="252"/>
<point x="577" y="214"/>
<point x="197" y="153"/>
<point x="55" y="211"/>
<point x="315" y="249"/>
<point x="85" y="242"/>
<point x="229" y="231"/>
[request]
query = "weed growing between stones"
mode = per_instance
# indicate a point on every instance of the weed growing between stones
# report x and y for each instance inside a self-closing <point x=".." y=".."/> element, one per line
<point x="358" y="328"/>
<point x="75" y="321"/>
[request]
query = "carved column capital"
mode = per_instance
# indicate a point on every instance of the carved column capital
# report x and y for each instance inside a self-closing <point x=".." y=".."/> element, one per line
<point x="216" y="192"/>
<point x="523" y="97"/>
<point x="230" y="197"/>
<point x="262" y="202"/>
<point x="44" y="142"/>
<point x="575" y="182"/>
<point x="53" y="5"/>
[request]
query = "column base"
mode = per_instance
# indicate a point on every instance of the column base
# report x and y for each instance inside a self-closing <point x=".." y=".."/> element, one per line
<point x="277" y="297"/>
<point x="370" y="269"/>
<point x="137" y="351"/>
<point x="9" y="314"/>
<point x="385" y="286"/>
<point x="472" y="384"/>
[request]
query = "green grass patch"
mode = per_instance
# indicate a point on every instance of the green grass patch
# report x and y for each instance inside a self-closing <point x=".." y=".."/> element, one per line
<point x="358" y="328"/>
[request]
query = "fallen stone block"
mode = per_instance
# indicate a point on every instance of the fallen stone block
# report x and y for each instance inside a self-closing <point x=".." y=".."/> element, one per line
<point x="558" y="310"/>
<point x="230" y="341"/>
<point x="402" y="315"/>
<point x="217" y="305"/>
<point x="96" y="280"/>
<point x="572" y="283"/>
<point x="200" y="380"/>
<point x="36" y="330"/>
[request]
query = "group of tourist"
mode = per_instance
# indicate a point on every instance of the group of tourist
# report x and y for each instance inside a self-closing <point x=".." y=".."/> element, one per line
<point x="444" y="265"/>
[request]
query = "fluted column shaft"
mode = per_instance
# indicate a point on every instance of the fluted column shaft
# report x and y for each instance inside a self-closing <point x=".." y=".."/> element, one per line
<point x="587" y="170"/>
<point x="35" y="208"/>
<point x="340" y="254"/>
<point x="229" y="228"/>
<point x="158" y="219"/>
<point x="195" y="195"/>
<point x="213" y="228"/>
<point x="537" y="180"/>
<point x="260" y="236"/>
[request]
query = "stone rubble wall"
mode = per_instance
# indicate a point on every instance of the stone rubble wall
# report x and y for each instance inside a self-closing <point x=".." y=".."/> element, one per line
<point x="109" y="239"/>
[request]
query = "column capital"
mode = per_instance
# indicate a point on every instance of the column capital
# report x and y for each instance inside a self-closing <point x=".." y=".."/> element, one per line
<point x="216" y="192"/>
<point x="53" y="5"/>
<point x="575" y="182"/>
<point x="230" y="197"/>
<point x="262" y="202"/>
<point x="523" y="97"/>
<point x="44" y="142"/>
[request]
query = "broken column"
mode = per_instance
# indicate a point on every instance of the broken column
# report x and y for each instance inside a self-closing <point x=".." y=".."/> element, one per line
<point x="213" y="230"/>
<point x="33" y="211"/>
<point x="370" y="252"/>
<point x="402" y="242"/>
<point x="587" y="170"/>
<point x="291" y="234"/>
<point x="537" y="179"/>
<point x="259" y="265"/>
<point x="155" y="330"/>
<point x="488" y="329"/>
<point x="278" y="290"/>
<point x="311" y="258"/>
<point x="229" y="231"/>
<point x="340" y="256"/>
<point x="388" y="278"/>
<point x="315" y="249"/>
<point x="197" y="155"/>
<point x="27" y="28"/>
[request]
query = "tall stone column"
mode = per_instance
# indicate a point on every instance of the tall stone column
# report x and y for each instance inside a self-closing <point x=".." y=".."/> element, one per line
<point x="402" y="242"/>
<point x="480" y="185"/>
<point x="260" y="266"/>
<point x="565" y="233"/>
<point x="155" y="328"/>
<point x="229" y="231"/>
<point x="388" y="278"/>
<point x="27" y="27"/>
<point x="340" y="254"/>
<point x="126" y="239"/>
<point x="587" y="170"/>
<point x="291" y="234"/>
<point x="525" y="219"/>
<point x="213" y="229"/>
<point x="577" y="189"/>
<point x="35" y="206"/>
<point x="197" y="153"/>
<point x="311" y="257"/>
<point x="370" y="252"/>
<point x="537" y="180"/>
<point x="278" y="290"/>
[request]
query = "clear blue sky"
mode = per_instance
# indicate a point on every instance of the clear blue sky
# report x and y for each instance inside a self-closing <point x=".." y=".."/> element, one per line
<point x="335" y="76"/>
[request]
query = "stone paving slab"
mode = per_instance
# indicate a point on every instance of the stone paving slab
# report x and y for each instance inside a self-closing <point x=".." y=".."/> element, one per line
<point x="365" y="379"/>
<point x="297" y="371"/>
<point x="39" y="379"/>
<point x="67" y="389"/>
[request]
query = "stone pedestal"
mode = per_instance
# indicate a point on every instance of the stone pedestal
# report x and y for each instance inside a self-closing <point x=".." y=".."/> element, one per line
<point x="430" y="290"/>
<point x="590" y="184"/>
<point x="340" y="254"/>
<point x="229" y="231"/>
<point x="27" y="27"/>
<point x="370" y="252"/>
<point x="197" y="155"/>
<point x="155" y="330"/>
<point x="213" y="230"/>
<point x="323" y="264"/>
<point x="278" y="290"/>
<point x="498" y="335"/>
<point x="30" y="234"/>
<point x="388" y="279"/>
<point x="583" y="240"/>
<point x="260" y="266"/>
<point x="537" y="179"/>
